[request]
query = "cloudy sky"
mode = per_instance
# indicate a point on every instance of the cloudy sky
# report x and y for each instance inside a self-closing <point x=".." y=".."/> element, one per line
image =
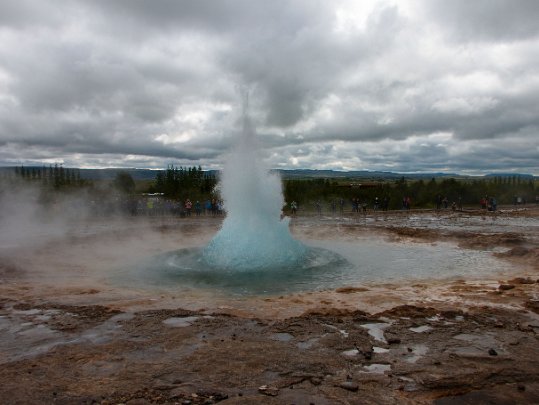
<point x="407" y="86"/>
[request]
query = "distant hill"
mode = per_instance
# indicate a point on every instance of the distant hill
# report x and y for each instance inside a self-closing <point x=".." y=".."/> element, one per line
<point x="288" y="174"/>
<point x="510" y="175"/>
<point x="110" y="174"/>
<point x="359" y="174"/>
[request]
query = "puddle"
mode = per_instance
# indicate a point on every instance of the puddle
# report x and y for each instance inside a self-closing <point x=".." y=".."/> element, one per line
<point x="376" y="368"/>
<point x="376" y="330"/>
<point x="307" y="344"/>
<point x="418" y="351"/>
<point x="282" y="337"/>
<point x="421" y="329"/>
<point x="105" y="331"/>
<point x="478" y="345"/>
<point x="182" y="322"/>
<point x="350" y="353"/>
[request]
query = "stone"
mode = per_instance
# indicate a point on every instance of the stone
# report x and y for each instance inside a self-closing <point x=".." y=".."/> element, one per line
<point x="505" y="287"/>
<point x="492" y="352"/>
<point x="268" y="390"/>
<point x="349" y="385"/>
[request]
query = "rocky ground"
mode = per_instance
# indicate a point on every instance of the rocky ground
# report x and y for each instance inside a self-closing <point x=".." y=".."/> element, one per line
<point x="435" y="342"/>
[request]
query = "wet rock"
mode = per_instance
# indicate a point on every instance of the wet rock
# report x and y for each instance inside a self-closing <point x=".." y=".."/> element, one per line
<point x="350" y="290"/>
<point x="521" y="280"/>
<point x="505" y="287"/>
<point x="409" y="311"/>
<point x="410" y="387"/>
<point x="349" y="385"/>
<point x="518" y="251"/>
<point x="268" y="390"/>
<point x="532" y="305"/>
<point x="316" y="381"/>
<point x="492" y="352"/>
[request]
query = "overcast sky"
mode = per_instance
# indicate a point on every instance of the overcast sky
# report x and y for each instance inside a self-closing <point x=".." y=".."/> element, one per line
<point x="348" y="85"/>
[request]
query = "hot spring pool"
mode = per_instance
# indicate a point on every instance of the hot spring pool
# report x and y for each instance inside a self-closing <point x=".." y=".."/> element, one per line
<point x="327" y="265"/>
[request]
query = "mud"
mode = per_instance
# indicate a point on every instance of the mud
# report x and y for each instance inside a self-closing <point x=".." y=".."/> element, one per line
<point x="67" y="337"/>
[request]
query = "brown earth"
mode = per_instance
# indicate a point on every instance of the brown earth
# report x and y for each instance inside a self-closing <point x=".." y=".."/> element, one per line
<point x="431" y="342"/>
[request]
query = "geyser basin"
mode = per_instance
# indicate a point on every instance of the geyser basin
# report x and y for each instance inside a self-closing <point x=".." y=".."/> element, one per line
<point x="326" y="265"/>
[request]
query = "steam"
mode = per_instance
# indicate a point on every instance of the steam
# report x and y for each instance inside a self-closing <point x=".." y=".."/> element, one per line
<point x="25" y="220"/>
<point x="252" y="235"/>
<point x="31" y="215"/>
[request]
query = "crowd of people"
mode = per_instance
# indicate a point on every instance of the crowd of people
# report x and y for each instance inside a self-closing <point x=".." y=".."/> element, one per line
<point x="488" y="203"/>
<point x="157" y="205"/>
<point x="357" y="205"/>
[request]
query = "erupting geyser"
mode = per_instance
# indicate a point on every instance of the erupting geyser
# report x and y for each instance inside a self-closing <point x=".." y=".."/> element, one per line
<point x="252" y="236"/>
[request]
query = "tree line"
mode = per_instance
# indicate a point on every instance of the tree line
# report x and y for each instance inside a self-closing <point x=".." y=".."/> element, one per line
<point x="184" y="182"/>
<point x="423" y="194"/>
<point x="55" y="177"/>
<point x="180" y="183"/>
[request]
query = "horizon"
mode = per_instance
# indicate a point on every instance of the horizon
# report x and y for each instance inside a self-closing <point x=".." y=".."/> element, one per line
<point x="366" y="171"/>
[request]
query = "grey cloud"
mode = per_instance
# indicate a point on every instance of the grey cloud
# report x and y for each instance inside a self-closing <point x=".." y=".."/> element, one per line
<point x="24" y="13"/>
<point x="158" y="80"/>
<point x="487" y="20"/>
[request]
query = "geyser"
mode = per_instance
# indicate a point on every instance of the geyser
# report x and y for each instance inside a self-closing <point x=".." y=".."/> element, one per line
<point x="253" y="235"/>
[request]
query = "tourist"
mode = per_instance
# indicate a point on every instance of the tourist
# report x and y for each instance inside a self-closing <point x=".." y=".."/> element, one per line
<point x="198" y="208"/>
<point x="188" y="206"/>
<point x="220" y="207"/>
<point x="438" y="201"/>
<point x="355" y="204"/>
<point x="493" y="204"/>
<point x="385" y="203"/>
<point x="364" y="207"/>
<point x="294" y="207"/>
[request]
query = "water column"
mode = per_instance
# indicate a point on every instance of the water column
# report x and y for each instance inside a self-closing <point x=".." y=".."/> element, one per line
<point x="252" y="236"/>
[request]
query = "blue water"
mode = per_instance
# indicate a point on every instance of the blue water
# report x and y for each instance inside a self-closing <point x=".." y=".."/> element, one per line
<point x="187" y="268"/>
<point x="241" y="246"/>
<point x="324" y="265"/>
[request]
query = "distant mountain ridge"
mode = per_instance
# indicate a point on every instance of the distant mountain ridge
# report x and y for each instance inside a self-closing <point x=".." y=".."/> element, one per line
<point x="289" y="174"/>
